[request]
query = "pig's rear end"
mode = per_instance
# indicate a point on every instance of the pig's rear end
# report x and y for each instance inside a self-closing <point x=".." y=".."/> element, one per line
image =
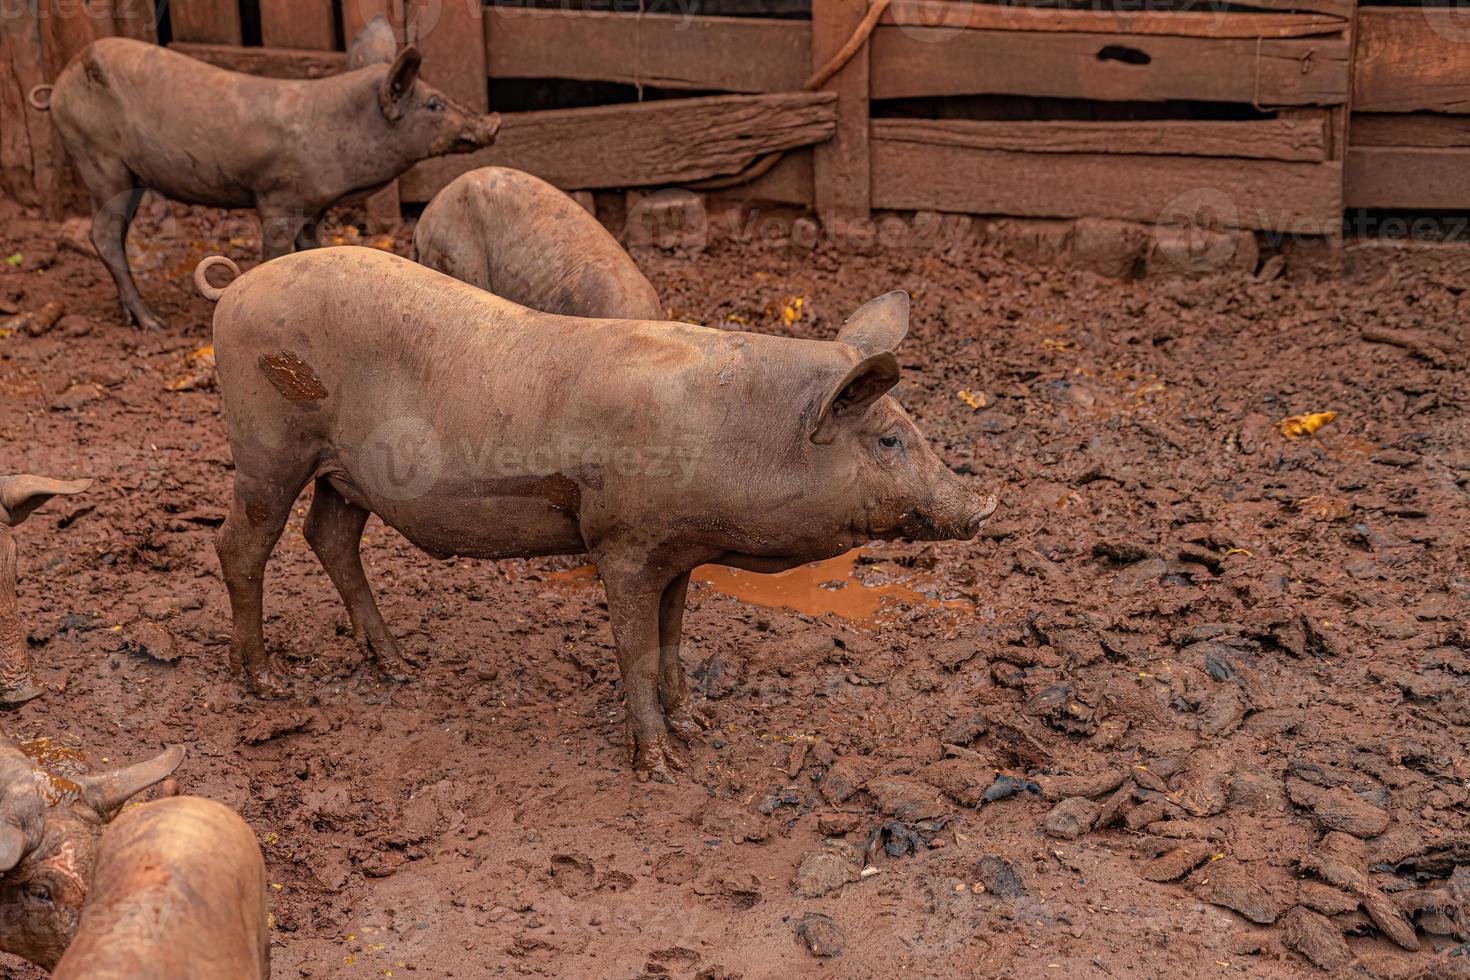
<point x="520" y="238"/>
<point x="179" y="893"/>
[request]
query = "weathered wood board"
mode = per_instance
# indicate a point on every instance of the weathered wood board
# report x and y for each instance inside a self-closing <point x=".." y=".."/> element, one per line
<point x="914" y="62"/>
<point x="952" y="15"/>
<point x="1412" y="59"/>
<point x="640" y="144"/>
<point x="205" y="21"/>
<point x="271" y="62"/>
<point x="733" y="54"/>
<point x="1407" y="177"/>
<point x="452" y="39"/>
<point x="297" y="24"/>
<point x="1263" y="194"/>
<point x="1266" y="139"/>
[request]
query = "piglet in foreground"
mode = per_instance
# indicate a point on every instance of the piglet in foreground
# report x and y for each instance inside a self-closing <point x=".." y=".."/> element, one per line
<point x="523" y="240"/>
<point x="19" y="496"/>
<point x="477" y="427"/>
<point x="137" y="116"/>
<point x="51" y="816"/>
<point x="179" y="893"/>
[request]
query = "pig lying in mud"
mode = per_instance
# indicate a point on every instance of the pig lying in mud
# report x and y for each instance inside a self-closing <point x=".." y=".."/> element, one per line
<point x="137" y="116"/>
<point x="49" y="826"/>
<point x="523" y="240"/>
<point x="480" y="428"/>
<point x="179" y="893"/>
<point x="19" y="496"/>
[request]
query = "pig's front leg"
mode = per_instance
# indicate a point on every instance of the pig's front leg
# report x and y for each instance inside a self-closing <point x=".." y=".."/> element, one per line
<point x="634" y="597"/>
<point x="17" y="683"/>
<point x="281" y="222"/>
<point x="683" y="718"/>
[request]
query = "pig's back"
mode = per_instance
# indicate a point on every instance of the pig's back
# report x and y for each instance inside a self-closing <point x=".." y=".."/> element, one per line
<point x="517" y="236"/>
<point x="330" y="342"/>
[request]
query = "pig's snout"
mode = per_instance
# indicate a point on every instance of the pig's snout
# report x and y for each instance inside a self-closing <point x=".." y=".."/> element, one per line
<point x="957" y="518"/>
<point x="477" y="131"/>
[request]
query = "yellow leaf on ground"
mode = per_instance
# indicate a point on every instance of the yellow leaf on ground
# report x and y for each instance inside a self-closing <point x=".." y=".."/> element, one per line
<point x="975" y="401"/>
<point x="1304" y="425"/>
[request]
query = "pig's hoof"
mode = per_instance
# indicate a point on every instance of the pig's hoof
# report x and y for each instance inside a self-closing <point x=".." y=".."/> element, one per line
<point x="657" y="762"/>
<point x="268" y="686"/>
<point x="147" y="320"/>
<point x="687" y="727"/>
<point x="397" y="669"/>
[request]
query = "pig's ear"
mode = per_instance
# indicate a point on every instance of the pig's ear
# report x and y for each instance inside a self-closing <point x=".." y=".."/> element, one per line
<point x="107" y="792"/>
<point x="868" y="381"/>
<point x="399" y="82"/>
<point x="20" y="495"/>
<point x="879" y="324"/>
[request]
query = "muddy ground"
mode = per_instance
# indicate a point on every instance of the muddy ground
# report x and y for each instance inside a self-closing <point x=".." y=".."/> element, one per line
<point x="1195" y="703"/>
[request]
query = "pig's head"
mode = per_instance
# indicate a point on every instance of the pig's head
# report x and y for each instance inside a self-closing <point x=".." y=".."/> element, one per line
<point x="875" y="472"/>
<point x="49" y="828"/>
<point x="422" y="120"/>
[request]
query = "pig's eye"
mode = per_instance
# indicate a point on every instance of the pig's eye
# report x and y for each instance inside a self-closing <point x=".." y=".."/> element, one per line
<point x="40" y="893"/>
<point x="890" y="442"/>
<point x="435" y="105"/>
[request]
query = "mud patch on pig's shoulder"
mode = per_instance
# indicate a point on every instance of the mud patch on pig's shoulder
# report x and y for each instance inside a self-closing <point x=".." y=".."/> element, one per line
<point x="292" y="377"/>
<point x="563" y="493"/>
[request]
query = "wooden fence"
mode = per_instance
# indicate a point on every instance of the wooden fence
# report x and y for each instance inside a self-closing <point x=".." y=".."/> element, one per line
<point x="1277" y="113"/>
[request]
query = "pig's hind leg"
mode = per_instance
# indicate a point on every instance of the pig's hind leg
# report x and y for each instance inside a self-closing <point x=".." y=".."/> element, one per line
<point x="634" y="597"/>
<point x="334" y="531"/>
<point x="683" y="719"/>
<point x="115" y="197"/>
<point x="256" y="519"/>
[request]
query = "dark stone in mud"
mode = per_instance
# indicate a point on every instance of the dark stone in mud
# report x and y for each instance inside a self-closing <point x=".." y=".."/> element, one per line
<point x="1316" y="938"/>
<point x="1000" y="877"/>
<point x="717" y="677"/>
<point x="822" y="872"/>
<point x="1008" y="786"/>
<point x="1071" y="818"/>
<point x="822" y="936"/>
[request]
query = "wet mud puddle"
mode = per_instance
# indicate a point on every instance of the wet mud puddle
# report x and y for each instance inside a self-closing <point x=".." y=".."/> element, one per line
<point x="830" y="586"/>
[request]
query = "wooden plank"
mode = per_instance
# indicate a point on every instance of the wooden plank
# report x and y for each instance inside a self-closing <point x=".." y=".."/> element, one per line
<point x="914" y="62"/>
<point x="271" y="62"/>
<point x="452" y="39"/>
<point x="955" y="15"/>
<point x="730" y="54"/>
<point x="1410" y="129"/>
<point x="137" y="19"/>
<point x="1265" y="194"/>
<point x="205" y="21"/>
<point x="1407" y="177"/>
<point x="298" y="24"/>
<point x="27" y="143"/>
<point x="790" y="181"/>
<point x="1412" y="59"/>
<point x="640" y="144"/>
<point x="841" y="166"/>
<point x="1264" y="139"/>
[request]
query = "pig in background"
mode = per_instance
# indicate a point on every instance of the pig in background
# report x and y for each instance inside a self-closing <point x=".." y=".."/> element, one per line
<point x="205" y="917"/>
<point x="479" y="428"/>
<point x="20" y="495"/>
<point x="136" y="116"/>
<point x="523" y="240"/>
<point x="52" y="814"/>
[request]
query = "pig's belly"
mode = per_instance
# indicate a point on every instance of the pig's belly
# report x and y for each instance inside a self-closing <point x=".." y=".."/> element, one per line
<point x="483" y="527"/>
<point x="189" y="180"/>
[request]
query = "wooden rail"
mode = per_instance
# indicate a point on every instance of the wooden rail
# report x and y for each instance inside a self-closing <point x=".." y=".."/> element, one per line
<point x="1299" y="66"/>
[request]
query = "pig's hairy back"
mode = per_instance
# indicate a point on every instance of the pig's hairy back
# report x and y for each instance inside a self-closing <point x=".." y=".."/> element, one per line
<point x="517" y="236"/>
<point x="386" y="338"/>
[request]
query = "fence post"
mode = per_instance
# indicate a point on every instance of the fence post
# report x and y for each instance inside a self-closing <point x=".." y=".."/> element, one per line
<point x="842" y="166"/>
<point x="453" y="46"/>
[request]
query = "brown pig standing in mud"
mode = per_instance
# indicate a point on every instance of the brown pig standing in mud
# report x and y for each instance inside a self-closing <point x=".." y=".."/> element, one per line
<point x="477" y="427"/>
<point x="523" y="240"/>
<point x="19" y="496"/>
<point x="137" y="116"/>
<point x="179" y="893"/>
<point x="49" y="826"/>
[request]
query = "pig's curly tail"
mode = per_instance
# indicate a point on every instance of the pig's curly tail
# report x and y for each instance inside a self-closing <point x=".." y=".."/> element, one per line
<point x="201" y="276"/>
<point x="40" y="97"/>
